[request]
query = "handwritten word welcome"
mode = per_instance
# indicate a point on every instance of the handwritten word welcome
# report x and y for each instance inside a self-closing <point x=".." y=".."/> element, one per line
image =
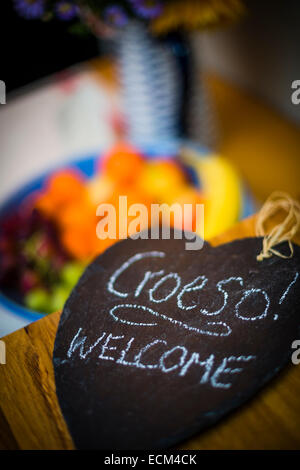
<point x="177" y="359"/>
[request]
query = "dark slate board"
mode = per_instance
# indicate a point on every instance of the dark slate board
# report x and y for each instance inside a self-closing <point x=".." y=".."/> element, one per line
<point x="185" y="367"/>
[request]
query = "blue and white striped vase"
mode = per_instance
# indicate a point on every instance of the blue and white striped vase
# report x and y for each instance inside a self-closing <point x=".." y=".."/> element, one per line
<point x="163" y="97"/>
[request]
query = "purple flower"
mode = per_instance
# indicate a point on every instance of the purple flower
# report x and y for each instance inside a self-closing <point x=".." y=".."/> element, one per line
<point x="148" y="9"/>
<point x="66" y="10"/>
<point x="30" y="9"/>
<point x="115" y="16"/>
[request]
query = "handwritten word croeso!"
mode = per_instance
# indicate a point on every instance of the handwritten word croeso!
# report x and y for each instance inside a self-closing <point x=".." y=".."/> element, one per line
<point x="214" y="328"/>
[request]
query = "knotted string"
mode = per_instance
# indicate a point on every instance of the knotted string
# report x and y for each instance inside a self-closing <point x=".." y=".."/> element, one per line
<point x="284" y="231"/>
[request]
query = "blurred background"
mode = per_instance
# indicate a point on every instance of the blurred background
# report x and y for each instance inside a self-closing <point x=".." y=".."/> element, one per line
<point x="261" y="54"/>
<point x="68" y="107"/>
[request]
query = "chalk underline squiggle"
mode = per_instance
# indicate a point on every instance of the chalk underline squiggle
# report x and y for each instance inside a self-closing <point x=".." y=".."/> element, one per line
<point x="178" y="323"/>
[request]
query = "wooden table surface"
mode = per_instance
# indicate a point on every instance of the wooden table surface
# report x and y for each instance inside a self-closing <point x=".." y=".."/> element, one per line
<point x="30" y="417"/>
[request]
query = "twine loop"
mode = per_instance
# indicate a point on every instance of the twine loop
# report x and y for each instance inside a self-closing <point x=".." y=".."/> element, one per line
<point x="282" y="232"/>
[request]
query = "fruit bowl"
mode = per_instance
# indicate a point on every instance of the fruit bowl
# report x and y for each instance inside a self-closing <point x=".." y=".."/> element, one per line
<point x="211" y="173"/>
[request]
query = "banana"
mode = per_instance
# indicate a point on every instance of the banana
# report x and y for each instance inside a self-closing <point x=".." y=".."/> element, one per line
<point x="222" y="190"/>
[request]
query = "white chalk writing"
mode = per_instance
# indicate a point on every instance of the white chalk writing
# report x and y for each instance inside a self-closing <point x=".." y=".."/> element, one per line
<point x="288" y="288"/>
<point x="190" y="288"/>
<point x="80" y="342"/>
<point x="160" y="282"/>
<point x="160" y="287"/>
<point x="148" y="275"/>
<point x="177" y="358"/>
<point x="124" y="266"/>
<point x="165" y="317"/>
<point x="246" y="294"/>
<point x="225" y="295"/>
<point x="222" y="369"/>
<point x="163" y="358"/>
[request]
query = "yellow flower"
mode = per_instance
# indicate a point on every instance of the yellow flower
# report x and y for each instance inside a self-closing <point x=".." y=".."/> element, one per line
<point x="196" y="14"/>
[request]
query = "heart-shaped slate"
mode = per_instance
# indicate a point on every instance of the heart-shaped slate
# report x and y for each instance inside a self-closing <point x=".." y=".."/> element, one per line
<point x="157" y="342"/>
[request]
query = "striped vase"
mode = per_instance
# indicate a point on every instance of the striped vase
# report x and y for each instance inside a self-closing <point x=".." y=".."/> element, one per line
<point x="163" y="96"/>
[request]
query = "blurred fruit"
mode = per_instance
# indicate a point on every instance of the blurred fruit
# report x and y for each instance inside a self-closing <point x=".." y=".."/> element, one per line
<point x="80" y="242"/>
<point x="187" y="195"/>
<point x="122" y="164"/>
<point x="66" y="186"/>
<point x="29" y="280"/>
<point x="160" y="178"/>
<point x="30" y="252"/>
<point x="8" y="261"/>
<point x="71" y="272"/>
<point x="127" y="222"/>
<point x="45" y="204"/>
<point x="138" y="214"/>
<point x="100" y="188"/>
<point x="38" y="300"/>
<point x="58" y="297"/>
<point x="222" y="189"/>
<point x="77" y="214"/>
<point x="78" y="228"/>
<point x="62" y="188"/>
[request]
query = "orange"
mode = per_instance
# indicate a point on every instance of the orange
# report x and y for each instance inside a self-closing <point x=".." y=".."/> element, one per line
<point x="123" y="164"/>
<point x="160" y="178"/>
<point x="78" y="242"/>
<point x="45" y="204"/>
<point x="187" y="195"/>
<point x="65" y="186"/>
